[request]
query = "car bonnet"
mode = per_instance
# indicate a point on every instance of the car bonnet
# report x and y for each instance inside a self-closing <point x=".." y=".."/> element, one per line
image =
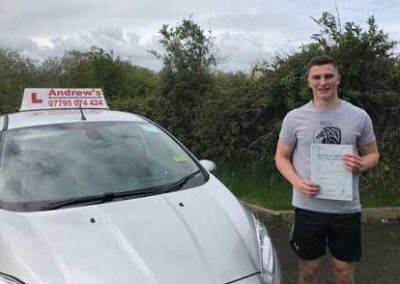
<point x="199" y="235"/>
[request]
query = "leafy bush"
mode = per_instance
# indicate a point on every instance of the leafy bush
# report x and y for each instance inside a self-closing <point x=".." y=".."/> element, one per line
<point x="232" y="116"/>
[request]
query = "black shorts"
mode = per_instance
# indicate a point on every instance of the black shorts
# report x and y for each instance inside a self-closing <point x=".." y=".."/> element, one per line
<point x="312" y="232"/>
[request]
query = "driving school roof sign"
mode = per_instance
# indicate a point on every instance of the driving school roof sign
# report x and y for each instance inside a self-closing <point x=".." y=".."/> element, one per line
<point x="43" y="99"/>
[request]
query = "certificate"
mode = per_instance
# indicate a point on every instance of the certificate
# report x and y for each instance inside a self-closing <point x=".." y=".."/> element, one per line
<point x="329" y="172"/>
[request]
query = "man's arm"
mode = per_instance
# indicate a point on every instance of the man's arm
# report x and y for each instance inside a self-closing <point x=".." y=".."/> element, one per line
<point x="283" y="163"/>
<point x="369" y="158"/>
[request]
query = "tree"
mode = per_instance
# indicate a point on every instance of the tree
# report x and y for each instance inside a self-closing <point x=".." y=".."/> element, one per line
<point x="185" y="77"/>
<point x="366" y="59"/>
<point x="16" y="72"/>
<point x="370" y="79"/>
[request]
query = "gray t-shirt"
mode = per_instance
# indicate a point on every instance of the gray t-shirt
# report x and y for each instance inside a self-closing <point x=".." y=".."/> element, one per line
<point x="346" y="124"/>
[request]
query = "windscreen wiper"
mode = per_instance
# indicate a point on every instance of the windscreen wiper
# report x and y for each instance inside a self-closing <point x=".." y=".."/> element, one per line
<point x="102" y="198"/>
<point x="180" y="183"/>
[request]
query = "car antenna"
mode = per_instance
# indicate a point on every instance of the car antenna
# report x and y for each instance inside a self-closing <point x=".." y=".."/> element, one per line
<point x="80" y="108"/>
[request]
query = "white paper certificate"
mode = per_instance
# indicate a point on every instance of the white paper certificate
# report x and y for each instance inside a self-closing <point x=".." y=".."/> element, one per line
<point x="329" y="172"/>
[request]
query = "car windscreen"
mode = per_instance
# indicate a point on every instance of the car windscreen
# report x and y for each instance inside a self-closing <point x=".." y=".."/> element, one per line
<point x="64" y="161"/>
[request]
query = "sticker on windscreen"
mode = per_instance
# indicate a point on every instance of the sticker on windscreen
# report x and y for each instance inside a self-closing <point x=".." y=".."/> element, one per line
<point x="150" y="128"/>
<point x="181" y="158"/>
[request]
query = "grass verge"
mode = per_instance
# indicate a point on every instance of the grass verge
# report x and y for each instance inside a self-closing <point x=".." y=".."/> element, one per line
<point x="264" y="188"/>
<point x="268" y="189"/>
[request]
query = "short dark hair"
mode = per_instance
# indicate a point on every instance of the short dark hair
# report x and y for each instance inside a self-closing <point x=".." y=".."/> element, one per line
<point x="321" y="60"/>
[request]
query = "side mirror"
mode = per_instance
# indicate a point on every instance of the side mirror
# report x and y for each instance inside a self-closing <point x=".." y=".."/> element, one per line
<point x="208" y="165"/>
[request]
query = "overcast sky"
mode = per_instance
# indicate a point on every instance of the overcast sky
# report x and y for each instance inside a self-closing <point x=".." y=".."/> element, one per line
<point x="245" y="31"/>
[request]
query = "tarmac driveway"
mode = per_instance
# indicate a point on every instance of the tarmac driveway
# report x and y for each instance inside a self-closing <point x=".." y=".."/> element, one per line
<point x="380" y="262"/>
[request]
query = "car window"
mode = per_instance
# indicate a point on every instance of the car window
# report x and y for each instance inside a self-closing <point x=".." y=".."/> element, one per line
<point x="83" y="159"/>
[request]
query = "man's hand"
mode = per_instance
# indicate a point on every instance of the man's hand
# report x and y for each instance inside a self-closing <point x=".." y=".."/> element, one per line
<point x="307" y="188"/>
<point x="353" y="162"/>
<point x="368" y="159"/>
<point x="285" y="167"/>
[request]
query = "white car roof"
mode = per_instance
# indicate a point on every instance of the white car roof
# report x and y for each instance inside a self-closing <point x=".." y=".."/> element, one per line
<point x="48" y="117"/>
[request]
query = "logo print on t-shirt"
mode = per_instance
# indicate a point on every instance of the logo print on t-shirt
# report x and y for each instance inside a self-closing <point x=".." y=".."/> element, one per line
<point x="327" y="135"/>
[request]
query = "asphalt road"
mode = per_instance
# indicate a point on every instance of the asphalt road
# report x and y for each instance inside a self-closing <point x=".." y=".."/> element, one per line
<point x="380" y="262"/>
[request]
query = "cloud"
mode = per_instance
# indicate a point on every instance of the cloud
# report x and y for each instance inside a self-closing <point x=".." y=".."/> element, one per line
<point x="241" y="51"/>
<point x="20" y="44"/>
<point x="246" y="31"/>
<point x="128" y="45"/>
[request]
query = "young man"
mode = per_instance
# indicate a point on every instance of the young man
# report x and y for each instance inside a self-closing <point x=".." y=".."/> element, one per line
<point x="323" y="222"/>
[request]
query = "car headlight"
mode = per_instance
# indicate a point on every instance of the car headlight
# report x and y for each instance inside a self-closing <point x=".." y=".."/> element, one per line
<point x="8" y="279"/>
<point x="270" y="266"/>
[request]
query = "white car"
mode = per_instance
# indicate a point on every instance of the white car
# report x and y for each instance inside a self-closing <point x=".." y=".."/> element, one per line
<point x="94" y="196"/>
